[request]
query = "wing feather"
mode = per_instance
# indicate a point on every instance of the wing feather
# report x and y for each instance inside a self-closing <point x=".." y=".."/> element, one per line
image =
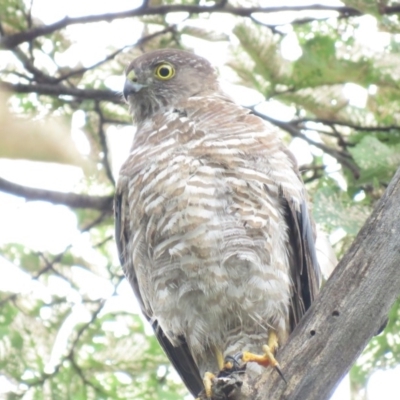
<point x="305" y="271"/>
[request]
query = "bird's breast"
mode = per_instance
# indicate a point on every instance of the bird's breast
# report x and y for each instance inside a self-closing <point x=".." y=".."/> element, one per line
<point x="209" y="238"/>
<point x="206" y="244"/>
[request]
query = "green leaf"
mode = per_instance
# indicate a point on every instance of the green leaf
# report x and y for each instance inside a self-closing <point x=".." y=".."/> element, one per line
<point x="377" y="161"/>
<point x="334" y="209"/>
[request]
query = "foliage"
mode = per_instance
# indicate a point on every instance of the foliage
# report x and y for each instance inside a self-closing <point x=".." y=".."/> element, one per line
<point x="70" y="330"/>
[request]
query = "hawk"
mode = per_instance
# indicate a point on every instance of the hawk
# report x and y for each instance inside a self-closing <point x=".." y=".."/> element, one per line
<point x="212" y="223"/>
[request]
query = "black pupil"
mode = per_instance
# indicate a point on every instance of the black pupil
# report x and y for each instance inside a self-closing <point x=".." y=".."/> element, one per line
<point x="164" y="72"/>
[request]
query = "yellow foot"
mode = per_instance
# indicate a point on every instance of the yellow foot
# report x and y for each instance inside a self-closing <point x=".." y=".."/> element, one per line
<point x="210" y="379"/>
<point x="267" y="359"/>
<point x="220" y="387"/>
<point x="209" y="376"/>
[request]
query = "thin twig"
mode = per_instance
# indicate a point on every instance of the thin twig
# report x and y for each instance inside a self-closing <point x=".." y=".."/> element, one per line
<point x="348" y="124"/>
<point x="81" y="71"/>
<point x="39" y="75"/>
<point x="342" y="157"/>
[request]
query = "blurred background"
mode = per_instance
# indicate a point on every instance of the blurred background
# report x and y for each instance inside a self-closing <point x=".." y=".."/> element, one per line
<point x="326" y="73"/>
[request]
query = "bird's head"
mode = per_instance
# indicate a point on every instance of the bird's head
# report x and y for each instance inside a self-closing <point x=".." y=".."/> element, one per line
<point x="163" y="79"/>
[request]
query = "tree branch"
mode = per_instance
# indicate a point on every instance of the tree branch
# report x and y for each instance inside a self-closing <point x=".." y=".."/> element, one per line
<point x="377" y="128"/>
<point x="170" y="28"/>
<point x="348" y="312"/>
<point x="342" y="157"/>
<point x="11" y="41"/>
<point x="102" y="203"/>
<point x="81" y="71"/>
<point x="62" y="90"/>
<point x="103" y="143"/>
<point x="39" y="75"/>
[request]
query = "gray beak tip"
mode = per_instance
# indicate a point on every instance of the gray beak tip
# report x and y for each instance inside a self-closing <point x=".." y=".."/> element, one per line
<point x="131" y="88"/>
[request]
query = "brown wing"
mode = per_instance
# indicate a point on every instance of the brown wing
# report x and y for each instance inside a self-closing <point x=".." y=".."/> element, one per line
<point x="305" y="271"/>
<point x="179" y="356"/>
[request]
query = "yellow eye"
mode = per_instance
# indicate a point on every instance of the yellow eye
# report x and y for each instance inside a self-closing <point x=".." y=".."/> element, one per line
<point x="131" y="76"/>
<point x="165" y="71"/>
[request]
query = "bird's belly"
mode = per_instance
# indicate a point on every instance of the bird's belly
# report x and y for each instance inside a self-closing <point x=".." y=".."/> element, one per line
<point x="216" y="261"/>
<point x="215" y="280"/>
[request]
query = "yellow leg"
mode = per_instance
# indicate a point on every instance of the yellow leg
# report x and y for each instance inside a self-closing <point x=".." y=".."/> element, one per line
<point x="207" y="381"/>
<point x="220" y="358"/>
<point x="273" y="342"/>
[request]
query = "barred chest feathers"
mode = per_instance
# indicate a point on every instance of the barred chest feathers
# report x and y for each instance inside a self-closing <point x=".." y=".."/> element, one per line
<point x="209" y="240"/>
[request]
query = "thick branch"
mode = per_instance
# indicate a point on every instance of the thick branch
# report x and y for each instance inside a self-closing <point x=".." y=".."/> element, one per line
<point x="62" y="90"/>
<point x="11" y="41"/>
<point x="349" y="311"/>
<point x="102" y="203"/>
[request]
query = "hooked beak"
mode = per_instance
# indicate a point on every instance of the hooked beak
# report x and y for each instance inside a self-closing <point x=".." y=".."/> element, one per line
<point x="131" y="88"/>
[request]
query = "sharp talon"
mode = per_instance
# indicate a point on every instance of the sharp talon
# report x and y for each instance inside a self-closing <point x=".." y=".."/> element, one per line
<point x="228" y="366"/>
<point x="229" y="360"/>
<point x="233" y="362"/>
<point x="279" y="371"/>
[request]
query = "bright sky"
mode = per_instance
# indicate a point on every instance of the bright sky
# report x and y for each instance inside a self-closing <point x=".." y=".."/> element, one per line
<point x="37" y="224"/>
